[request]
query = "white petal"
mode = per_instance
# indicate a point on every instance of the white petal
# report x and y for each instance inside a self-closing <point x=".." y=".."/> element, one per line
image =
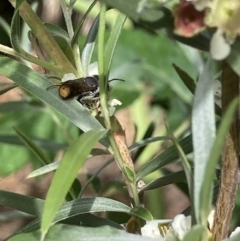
<point x="211" y="219"/>
<point x="93" y="69"/>
<point x="114" y="102"/>
<point x="219" y="48"/>
<point x="111" y="110"/>
<point x="181" y="225"/>
<point x="68" y="76"/>
<point x="235" y="232"/>
<point x="200" y="4"/>
<point x="151" y="228"/>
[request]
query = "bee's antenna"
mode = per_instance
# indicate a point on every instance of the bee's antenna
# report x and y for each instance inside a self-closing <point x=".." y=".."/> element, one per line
<point x="52" y="86"/>
<point x="116" y="79"/>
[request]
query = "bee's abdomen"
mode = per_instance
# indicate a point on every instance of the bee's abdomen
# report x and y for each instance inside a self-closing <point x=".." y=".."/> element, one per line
<point x="65" y="92"/>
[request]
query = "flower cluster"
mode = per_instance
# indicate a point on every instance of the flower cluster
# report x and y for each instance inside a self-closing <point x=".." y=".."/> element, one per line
<point x="165" y="229"/>
<point x="193" y="16"/>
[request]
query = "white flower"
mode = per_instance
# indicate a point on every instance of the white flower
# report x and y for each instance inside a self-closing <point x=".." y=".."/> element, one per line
<point x="163" y="229"/>
<point x="219" y="47"/>
<point x="152" y="228"/>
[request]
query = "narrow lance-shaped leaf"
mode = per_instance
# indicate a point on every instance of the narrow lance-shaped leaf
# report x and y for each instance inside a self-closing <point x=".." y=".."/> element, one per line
<point x="209" y="175"/>
<point x="203" y="130"/>
<point x="184" y="160"/>
<point x="7" y="88"/>
<point x="166" y="157"/>
<point x="64" y="176"/>
<point x="79" y="26"/>
<point x="33" y="147"/>
<point x="112" y="41"/>
<point x="86" y="206"/>
<point x="16" y="42"/>
<point x="89" y="46"/>
<point x="63" y="232"/>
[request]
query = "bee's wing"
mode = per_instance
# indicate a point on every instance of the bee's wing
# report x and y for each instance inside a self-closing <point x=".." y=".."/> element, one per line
<point x="53" y="86"/>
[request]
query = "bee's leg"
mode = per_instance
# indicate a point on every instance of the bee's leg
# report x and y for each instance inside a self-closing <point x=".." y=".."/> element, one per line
<point x="85" y="104"/>
<point x="85" y="98"/>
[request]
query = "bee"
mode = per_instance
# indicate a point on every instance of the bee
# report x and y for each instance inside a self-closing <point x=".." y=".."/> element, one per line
<point x="86" y="90"/>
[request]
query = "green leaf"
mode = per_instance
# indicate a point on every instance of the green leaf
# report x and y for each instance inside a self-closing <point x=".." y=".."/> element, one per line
<point x="112" y="41"/>
<point x="129" y="173"/>
<point x="72" y="161"/>
<point x="91" y="220"/>
<point x="142" y="213"/>
<point x="146" y="141"/>
<point x="42" y="143"/>
<point x="45" y="169"/>
<point x="74" y="190"/>
<point x="7" y="88"/>
<point x="27" y="204"/>
<point x="187" y="80"/>
<point x="37" y="85"/>
<point x="185" y="163"/>
<point x="63" y="232"/>
<point x="95" y="183"/>
<point x="82" y="206"/>
<point x="89" y="46"/>
<point x="33" y="147"/>
<point x="72" y="2"/>
<point x="191" y="85"/>
<point x="16" y="41"/>
<point x="209" y="174"/>
<point x="166" y="180"/>
<point x="5" y="26"/>
<point x="196" y="233"/>
<point x="98" y="152"/>
<point x="79" y="26"/>
<point x="203" y="130"/>
<point x="166" y="157"/>
<point x="54" y="166"/>
<point x="57" y="31"/>
<point x="62" y="39"/>
<point x="20" y="105"/>
<point x="34" y="206"/>
<point x="147" y="134"/>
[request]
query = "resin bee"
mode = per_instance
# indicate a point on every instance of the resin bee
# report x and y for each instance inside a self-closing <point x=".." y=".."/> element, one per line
<point x="86" y="90"/>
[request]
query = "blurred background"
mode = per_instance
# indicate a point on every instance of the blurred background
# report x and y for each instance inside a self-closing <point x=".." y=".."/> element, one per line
<point x="152" y="93"/>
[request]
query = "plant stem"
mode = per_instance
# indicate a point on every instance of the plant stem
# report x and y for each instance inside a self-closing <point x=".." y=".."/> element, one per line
<point x="230" y="161"/>
<point x="116" y="135"/>
<point x="30" y="58"/>
<point x="101" y="67"/>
